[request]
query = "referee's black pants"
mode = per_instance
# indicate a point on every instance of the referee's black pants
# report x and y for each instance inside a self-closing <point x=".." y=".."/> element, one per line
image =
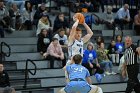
<point x="133" y="82"/>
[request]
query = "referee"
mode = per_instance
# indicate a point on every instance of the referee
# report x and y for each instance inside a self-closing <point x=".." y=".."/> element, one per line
<point x="130" y="56"/>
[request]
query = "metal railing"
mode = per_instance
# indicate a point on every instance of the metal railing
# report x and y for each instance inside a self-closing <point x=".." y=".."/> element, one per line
<point x="2" y="53"/>
<point x="27" y="70"/>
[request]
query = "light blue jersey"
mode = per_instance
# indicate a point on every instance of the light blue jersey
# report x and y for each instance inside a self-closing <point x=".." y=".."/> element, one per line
<point x="77" y="71"/>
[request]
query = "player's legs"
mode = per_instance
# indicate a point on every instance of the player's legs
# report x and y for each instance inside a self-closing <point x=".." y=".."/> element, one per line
<point x="95" y="89"/>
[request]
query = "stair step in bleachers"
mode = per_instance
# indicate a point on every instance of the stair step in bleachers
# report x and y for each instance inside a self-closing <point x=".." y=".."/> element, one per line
<point x="110" y="32"/>
<point x="20" y="34"/>
<point x="21" y="48"/>
<point x="40" y="64"/>
<point x="47" y="73"/>
<point x="21" y="82"/>
<point x="24" y="56"/>
<point x="22" y="41"/>
<point x="108" y="84"/>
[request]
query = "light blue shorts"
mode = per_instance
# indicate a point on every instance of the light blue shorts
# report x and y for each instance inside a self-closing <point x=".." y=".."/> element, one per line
<point x="77" y="86"/>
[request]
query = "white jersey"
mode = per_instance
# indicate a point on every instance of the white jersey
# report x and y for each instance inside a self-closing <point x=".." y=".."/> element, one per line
<point x="76" y="48"/>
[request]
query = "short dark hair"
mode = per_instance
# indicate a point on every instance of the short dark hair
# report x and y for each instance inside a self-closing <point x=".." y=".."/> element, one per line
<point x="53" y="39"/>
<point x="61" y="29"/>
<point x="77" y="59"/>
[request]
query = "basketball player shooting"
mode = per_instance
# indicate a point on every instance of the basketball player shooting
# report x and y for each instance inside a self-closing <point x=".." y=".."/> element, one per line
<point x="76" y="41"/>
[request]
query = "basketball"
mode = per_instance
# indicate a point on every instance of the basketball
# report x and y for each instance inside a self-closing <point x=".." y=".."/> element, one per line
<point x="80" y="17"/>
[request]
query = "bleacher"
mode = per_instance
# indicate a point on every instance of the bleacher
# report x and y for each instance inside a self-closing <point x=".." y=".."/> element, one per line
<point x="23" y="46"/>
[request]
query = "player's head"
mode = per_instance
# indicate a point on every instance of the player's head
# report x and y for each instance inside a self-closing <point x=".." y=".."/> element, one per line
<point x="78" y="34"/>
<point x="128" y="41"/>
<point x="77" y="59"/>
<point x="1" y="67"/>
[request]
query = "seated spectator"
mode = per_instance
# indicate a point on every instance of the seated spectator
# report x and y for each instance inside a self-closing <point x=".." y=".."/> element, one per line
<point x="109" y="19"/>
<point x="90" y="60"/>
<point x="113" y="55"/>
<point x="61" y="22"/>
<point x="4" y="81"/>
<point x="62" y="38"/>
<point x="15" y="16"/>
<point x="43" y="41"/>
<point x="4" y="20"/>
<point x="98" y="41"/>
<point x="27" y="16"/>
<point x="119" y="46"/>
<point x="19" y="3"/>
<point x="123" y="16"/>
<point x="88" y="5"/>
<point x="54" y="52"/>
<point x="137" y="23"/>
<point x="44" y="22"/>
<point x="103" y="60"/>
<point x="38" y="14"/>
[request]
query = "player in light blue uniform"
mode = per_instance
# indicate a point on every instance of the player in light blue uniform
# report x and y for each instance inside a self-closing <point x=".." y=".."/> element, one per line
<point x="79" y="78"/>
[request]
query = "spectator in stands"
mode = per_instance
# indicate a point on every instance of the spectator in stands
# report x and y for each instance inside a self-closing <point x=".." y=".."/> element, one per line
<point x="54" y="52"/>
<point x="123" y="16"/>
<point x="38" y="13"/>
<point x="112" y="52"/>
<point x="44" y="22"/>
<point x="61" y="22"/>
<point x="4" y="81"/>
<point x="19" y="3"/>
<point x="15" y="16"/>
<point x="109" y="19"/>
<point x="4" y="20"/>
<point x="103" y="60"/>
<point x="88" y="5"/>
<point x="137" y="23"/>
<point x="28" y="14"/>
<point x="90" y="60"/>
<point x="62" y="38"/>
<point x="119" y="46"/>
<point x="98" y="41"/>
<point x="43" y="41"/>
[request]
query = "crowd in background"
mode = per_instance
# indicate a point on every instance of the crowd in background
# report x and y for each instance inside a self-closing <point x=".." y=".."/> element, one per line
<point x="52" y="41"/>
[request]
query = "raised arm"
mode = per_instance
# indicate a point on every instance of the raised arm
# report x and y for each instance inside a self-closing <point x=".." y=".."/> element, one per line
<point x="89" y="33"/>
<point x="73" y="32"/>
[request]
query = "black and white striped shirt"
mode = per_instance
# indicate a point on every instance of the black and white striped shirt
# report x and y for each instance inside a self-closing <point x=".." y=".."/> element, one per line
<point x="130" y="55"/>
